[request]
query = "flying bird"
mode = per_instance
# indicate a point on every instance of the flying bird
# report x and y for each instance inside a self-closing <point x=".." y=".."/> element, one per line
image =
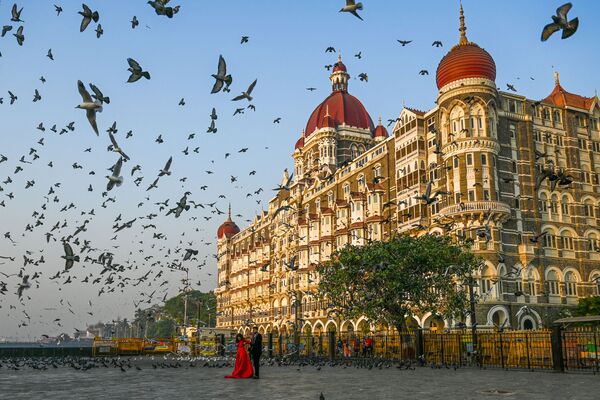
<point x="16" y="14"/>
<point x="351" y="8"/>
<point x="98" y="94"/>
<point x="134" y="22"/>
<point x="166" y="169"/>
<point x="58" y="10"/>
<point x="19" y="35"/>
<point x="404" y="42"/>
<point x="247" y="94"/>
<point x="69" y="257"/>
<point x="437" y="43"/>
<point x="561" y="21"/>
<point x="89" y="105"/>
<point x="116" y="148"/>
<point x="136" y="71"/>
<point x="221" y="77"/>
<point x="114" y="178"/>
<point x="88" y="16"/>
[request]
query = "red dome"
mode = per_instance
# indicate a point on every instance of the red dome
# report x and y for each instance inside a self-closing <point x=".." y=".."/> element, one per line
<point x="343" y="108"/>
<point x="228" y="228"/>
<point x="465" y="61"/>
<point x="300" y="143"/>
<point x="339" y="66"/>
<point x="380" y="131"/>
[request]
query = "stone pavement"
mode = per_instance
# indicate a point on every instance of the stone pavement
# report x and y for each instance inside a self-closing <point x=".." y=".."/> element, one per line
<point x="293" y="382"/>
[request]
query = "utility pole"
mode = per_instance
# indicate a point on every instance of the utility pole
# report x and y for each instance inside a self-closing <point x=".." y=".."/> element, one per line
<point x="471" y="284"/>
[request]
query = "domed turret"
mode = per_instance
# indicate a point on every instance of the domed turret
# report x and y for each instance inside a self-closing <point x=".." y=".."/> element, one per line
<point x="228" y="228"/>
<point x="465" y="60"/>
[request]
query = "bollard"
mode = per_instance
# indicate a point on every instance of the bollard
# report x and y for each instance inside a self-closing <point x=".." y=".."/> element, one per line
<point x="420" y="346"/>
<point x="222" y="345"/>
<point x="332" y="345"/>
<point x="557" y="353"/>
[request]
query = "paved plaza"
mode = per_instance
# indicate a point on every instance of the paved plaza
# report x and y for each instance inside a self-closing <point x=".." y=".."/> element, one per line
<point x="293" y="382"/>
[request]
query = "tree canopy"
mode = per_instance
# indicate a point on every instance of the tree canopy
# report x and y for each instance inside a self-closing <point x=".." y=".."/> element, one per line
<point x="388" y="281"/>
<point x="588" y="306"/>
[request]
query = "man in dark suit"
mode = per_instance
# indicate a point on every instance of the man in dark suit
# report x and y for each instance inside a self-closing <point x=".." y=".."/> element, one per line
<point x="256" y="351"/>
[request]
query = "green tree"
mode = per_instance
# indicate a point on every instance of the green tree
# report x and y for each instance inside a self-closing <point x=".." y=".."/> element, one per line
<point x="163" y="328"/>
<point x="388" y="281"/>
<point x="206" y="303"/>
<point x="588" y="306"/>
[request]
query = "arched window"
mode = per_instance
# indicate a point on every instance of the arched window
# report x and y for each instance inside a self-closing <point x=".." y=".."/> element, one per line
<point x="564" y="205"/>
<point x="588" y="208"/>
<point x="553" y="283"/>
<point x="543" y="203"/>
<point x="595" y="278"/>
<point x="550" y="240"/>
<point x="531" y="282"/>
<point x="570" y="284"/>
<point x="457" y="120"/>
<point x="593" y="243"/>
<point x="487" y="281"/>
<point x="554" y="204"/>
<point x="354" y="151"/>
<point x="567" y="241"/>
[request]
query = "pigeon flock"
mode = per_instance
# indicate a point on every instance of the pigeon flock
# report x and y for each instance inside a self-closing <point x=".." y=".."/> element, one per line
<point x="141" y="256"/>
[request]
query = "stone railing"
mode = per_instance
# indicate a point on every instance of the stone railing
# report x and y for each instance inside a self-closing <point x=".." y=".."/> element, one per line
<point x="476" y="207"/>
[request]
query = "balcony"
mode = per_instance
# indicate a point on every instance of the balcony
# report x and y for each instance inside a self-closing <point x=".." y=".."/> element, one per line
<point x="477" y="207"/>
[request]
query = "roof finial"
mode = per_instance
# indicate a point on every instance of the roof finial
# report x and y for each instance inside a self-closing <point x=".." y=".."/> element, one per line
<point x="556" y="81"/>
<point x="380" y="120"/>
<point x="339" y="58"/>
<point x="327" y="111"/>
<point x="229" y="215"/>
<point x="463" y="28"/>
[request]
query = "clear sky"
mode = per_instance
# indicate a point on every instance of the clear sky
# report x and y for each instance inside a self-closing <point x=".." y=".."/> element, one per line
<point x="285" y="52"/>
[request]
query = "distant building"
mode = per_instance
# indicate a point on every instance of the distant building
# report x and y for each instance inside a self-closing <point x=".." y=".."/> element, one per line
<point x="353" y="182"/>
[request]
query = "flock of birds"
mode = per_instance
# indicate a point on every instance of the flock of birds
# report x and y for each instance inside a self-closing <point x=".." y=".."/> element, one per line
<point x="68" y="229"/>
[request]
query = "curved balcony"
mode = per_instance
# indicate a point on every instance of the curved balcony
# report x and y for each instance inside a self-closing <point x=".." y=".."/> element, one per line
<point x="476" y="209"/>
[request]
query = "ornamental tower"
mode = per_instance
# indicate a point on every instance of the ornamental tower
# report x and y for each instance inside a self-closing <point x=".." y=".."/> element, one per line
<point x="466" y="129"/>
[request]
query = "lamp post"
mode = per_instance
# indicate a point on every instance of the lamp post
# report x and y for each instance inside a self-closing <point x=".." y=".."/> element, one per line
<point x="471" y="283"/>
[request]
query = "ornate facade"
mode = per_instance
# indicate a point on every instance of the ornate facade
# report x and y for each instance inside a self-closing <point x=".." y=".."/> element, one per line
<point x="485" y="150"/>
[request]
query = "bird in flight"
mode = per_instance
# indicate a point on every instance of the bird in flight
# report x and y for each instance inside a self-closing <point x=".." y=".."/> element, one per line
<point x="244" y="39"/>
<point x="88" y="16"/>
<point x="561" y="21"/>
<point x="352" y="7"/>
<point x="247" y="94"/>
<point x="16" y="14"/>
<point x="136" y="71"/>
<point x="114" y="178"/>
<point x="404" y="42"/>
<point x="89" y="105"/>
<point x="58" y="10"/>
<point x="221" y="77"/>
<point x="437" y="43"/>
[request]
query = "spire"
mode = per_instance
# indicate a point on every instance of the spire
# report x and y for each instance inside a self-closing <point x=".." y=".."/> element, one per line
<point x="379" y="120"/>
<point x="463" y="28"/>
<point x="556" y="81"/>
<point x="229" y="213"/>
<point x="339" y="57"/>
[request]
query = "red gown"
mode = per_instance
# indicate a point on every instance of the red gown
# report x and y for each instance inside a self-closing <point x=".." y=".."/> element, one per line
<point x="243" y="366"/>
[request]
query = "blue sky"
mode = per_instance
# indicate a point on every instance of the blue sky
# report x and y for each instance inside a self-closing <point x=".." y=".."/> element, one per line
<point x="286" y="53"/>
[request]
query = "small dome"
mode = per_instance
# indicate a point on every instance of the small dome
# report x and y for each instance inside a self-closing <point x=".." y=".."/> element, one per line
<point x="228" y="228"/>
<point x="380" y="131"/>
<point x="299" y="143"/>
<point x="465" y="60"/>
<point x="339" y="66"/>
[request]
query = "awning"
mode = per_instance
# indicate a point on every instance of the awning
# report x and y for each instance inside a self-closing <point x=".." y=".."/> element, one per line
<point x="572" y="320"/>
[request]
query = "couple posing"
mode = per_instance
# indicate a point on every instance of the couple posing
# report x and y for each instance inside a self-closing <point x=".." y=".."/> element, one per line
<point x="243" y="368"/>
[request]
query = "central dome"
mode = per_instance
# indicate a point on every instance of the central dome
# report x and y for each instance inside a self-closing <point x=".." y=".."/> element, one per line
<point x="465" y="60"/>
<point x="342" y="108"/>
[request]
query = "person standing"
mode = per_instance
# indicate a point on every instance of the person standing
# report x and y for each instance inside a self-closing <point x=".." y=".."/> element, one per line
<point x="242" y="368"/>
<point x="256" y="351"/>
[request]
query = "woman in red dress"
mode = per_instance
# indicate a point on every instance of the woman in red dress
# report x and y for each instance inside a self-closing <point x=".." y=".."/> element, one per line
<point x="243" y="367"/>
